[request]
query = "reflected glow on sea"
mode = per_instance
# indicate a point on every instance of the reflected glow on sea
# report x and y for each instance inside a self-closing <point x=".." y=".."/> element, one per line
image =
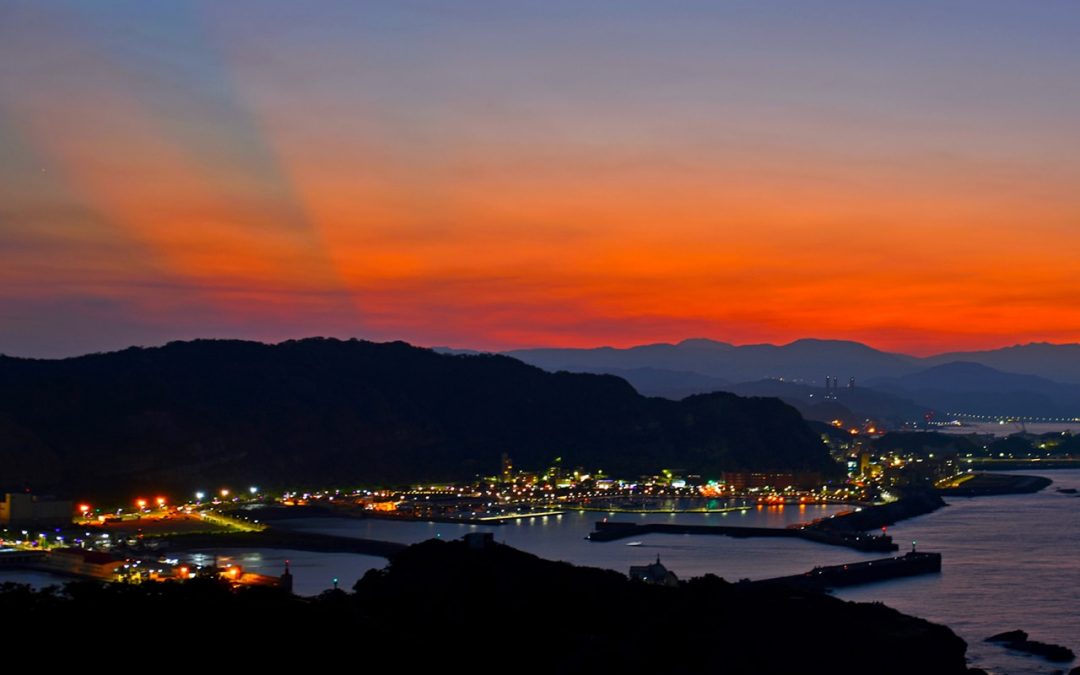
<point x="1009" y="562"/>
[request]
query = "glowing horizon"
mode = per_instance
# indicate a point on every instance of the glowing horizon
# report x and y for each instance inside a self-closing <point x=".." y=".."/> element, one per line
<point x="506" y="175"/>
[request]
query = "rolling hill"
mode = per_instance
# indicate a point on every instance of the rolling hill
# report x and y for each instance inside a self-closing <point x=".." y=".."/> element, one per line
<point x="328" y="412"/>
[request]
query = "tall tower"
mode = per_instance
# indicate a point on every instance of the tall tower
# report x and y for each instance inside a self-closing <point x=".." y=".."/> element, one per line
<point x="832" y="386"/>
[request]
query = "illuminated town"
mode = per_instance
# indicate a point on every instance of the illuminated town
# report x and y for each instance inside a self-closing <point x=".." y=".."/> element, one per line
<point x="629" y="337"/>
<point x="130" y="542"/>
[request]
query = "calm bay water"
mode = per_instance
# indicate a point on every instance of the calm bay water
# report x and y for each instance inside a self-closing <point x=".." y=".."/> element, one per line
<point x="563" y="538"/>
<point x="1009" y="562"/>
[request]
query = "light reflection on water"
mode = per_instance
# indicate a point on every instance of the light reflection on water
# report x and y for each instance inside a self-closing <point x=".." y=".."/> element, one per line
<point x="312" y="572"/>
<point x="33" y="578"/>
<point x="1009" y="562"/>
<point x="563" y="538"/>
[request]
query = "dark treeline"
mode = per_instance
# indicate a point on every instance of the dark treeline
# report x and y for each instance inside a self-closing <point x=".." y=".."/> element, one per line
<point x="323" y="411"/>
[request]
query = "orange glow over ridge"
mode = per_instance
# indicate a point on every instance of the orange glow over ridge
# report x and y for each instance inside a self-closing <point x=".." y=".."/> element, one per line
<point x="301" y="210"/>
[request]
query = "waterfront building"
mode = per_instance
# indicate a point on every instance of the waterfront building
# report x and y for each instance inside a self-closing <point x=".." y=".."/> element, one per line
<point x="743" y="480"/>
<point x="83" y="563"/>
<point x="21" y="509"/>
<point x="654" y="573"/>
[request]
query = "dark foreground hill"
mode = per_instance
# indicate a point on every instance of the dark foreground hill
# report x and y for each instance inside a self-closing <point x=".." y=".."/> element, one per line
<point x="497" y="609"/>
<point x="598" y="621"/>
<point x="319" y="411"/>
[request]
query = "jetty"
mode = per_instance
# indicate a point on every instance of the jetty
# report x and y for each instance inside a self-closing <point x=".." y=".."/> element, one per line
<point x="853" y="574"/>
<point x="982" y="484"/>
<point x="280" y="538"/>
<point x="614" y="530"/>
<point x="847" y="529"/>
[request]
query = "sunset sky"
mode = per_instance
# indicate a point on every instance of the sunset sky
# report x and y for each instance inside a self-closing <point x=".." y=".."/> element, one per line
<point x="511" y="174"/>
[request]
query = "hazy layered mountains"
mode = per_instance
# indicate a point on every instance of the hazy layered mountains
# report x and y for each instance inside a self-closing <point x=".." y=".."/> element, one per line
<point x="200" y="414"/>
<point x="1060" y="363"/>
<point x="973" y="387"/>
<point x="1041" y="380"/>
<point x="803" y="360"/>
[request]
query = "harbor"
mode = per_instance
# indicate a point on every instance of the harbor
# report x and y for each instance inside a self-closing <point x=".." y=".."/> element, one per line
<point x="847" y="529"/>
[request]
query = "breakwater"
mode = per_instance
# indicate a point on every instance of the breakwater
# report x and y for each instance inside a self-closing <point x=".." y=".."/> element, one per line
<point x="846" y="529"/>
<point x="347" y="510"/>
<point x="613" y="530"/>
<point x="278" y="538"/>
<point x="911" y="504"/>
<point x="870" y="571"/>
<point x="984" y="484"/>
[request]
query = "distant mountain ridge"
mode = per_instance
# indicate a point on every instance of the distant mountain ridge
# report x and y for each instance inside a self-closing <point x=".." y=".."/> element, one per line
<point x="962" y="386"/>
<point x="849" y="404"/>
<point x="807" y="360"/>
<point x="1038" y="379"/>
<point x="196" y="415"/>
<point x="1058" y="362"/>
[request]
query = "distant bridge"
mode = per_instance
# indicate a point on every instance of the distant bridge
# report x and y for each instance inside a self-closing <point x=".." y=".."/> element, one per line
<point x="1013" y="419"/>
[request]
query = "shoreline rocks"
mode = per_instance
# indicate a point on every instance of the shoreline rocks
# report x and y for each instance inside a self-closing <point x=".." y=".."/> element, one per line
<point x="1019" y="641"/>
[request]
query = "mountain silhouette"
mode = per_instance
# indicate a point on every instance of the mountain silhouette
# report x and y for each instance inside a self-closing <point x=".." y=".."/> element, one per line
<point x="325" y="412"/>
<point x="1037" y="380"/>
<point x="973" y="387"/>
